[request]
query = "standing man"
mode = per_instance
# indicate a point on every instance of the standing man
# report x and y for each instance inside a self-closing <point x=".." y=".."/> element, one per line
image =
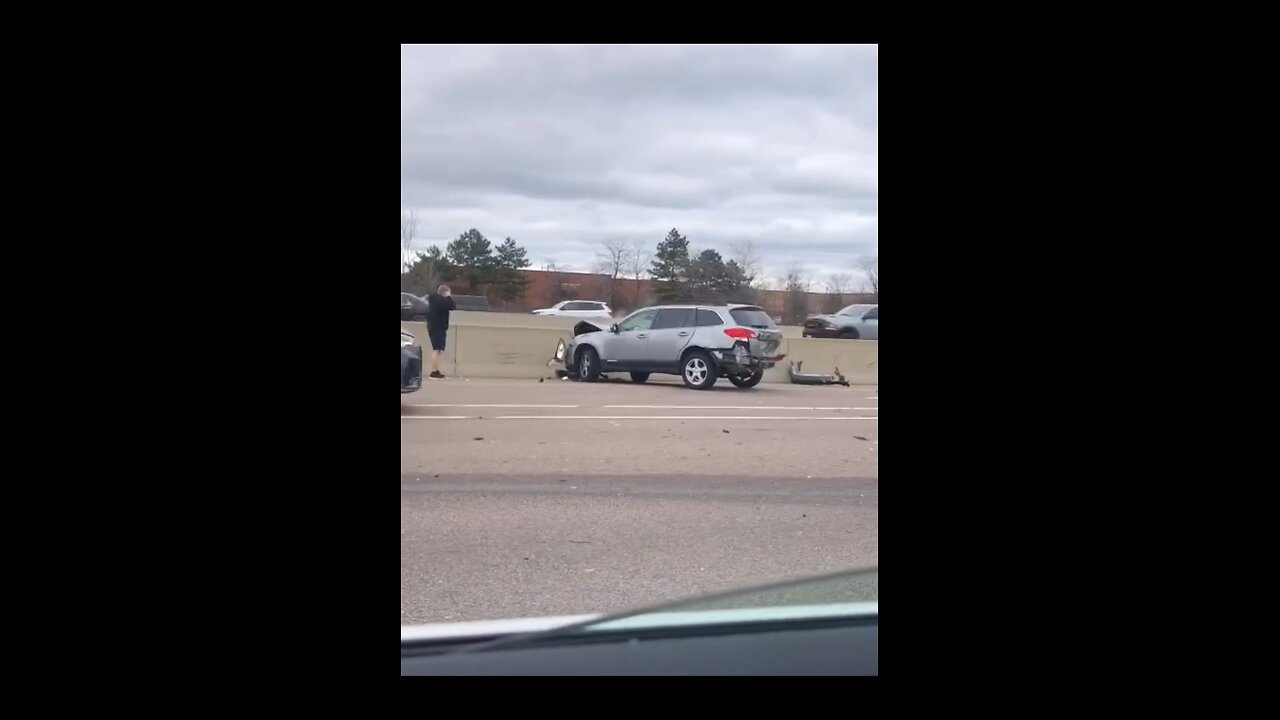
<point x="439" y="304"/>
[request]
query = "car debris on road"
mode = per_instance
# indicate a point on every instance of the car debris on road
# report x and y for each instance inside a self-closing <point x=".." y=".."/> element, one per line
<point x="802" y="378"/>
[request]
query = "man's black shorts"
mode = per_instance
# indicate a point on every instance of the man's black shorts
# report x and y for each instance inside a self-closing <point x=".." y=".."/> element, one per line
<point x="437" y="338"/>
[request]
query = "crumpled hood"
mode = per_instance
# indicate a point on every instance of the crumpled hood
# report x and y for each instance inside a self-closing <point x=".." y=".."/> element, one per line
<point x="593" y="325"/>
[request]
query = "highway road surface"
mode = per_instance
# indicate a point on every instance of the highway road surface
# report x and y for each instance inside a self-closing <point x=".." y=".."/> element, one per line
<point x="520" y="498"/>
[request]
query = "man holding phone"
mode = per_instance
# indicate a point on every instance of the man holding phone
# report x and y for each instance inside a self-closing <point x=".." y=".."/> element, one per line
<point x="439" y="304"/>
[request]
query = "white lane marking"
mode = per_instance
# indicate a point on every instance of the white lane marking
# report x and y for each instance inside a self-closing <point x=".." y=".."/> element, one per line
<point x="676" y="417"/>
<point x="733" y="407"/>
<point x="496" y="405"/>
<point x="435" y="417"/>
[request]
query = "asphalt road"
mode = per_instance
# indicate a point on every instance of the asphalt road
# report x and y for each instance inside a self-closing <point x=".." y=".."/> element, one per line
<point x="520" y="498"/>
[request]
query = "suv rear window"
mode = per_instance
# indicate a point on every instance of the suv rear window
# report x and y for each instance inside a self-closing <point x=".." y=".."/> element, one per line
<point x="752" y="317"/>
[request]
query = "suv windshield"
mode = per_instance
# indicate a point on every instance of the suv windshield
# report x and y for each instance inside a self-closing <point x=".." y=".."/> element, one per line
<point x="752" y="317"/>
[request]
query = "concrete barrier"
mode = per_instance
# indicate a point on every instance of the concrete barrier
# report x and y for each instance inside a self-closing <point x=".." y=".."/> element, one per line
<point x="476" y="348"/>
<point x="505" y="352"/>
<point x="449" y="365"/>
<point x="858" y="360"/>
<point x="494" y="319"/>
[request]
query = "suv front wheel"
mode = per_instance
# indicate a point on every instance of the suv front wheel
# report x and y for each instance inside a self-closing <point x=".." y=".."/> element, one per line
<point x="698" y="370"/>
<point x="588" y="365"/>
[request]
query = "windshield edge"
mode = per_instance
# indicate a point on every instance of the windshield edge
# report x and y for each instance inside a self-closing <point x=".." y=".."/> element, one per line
<point x="664" y="607"/>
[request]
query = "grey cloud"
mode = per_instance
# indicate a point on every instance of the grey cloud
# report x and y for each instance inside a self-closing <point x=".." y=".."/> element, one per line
<point x="560" y="147"/>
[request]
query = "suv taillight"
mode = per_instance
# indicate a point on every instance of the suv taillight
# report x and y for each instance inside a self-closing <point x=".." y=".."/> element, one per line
<point x="740" y="333"/>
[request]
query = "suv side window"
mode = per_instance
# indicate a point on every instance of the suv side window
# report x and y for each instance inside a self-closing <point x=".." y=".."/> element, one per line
<point x="674" y="318"/>
<point x="575" y="306"/>
<point x="707" y="318"/>
<point x="874" y="314"/>
<point x="642" y="320"/>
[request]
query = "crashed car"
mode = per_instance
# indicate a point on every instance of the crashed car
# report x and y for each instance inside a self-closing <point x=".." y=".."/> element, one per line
<point x="410" y="363"/>
<point x="700" y="343"/>
<point x="854" y="322"/>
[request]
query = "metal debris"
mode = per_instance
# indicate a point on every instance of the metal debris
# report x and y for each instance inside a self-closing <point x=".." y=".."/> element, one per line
<point x="801" y="378"/>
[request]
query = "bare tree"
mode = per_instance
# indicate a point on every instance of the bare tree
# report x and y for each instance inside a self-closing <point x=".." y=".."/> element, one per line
<point x="871" y="266"/>
<point x="747" y="254"/>
<point x="796" y="279"/>
<point x="797" y="283"/>
<point x="408" y="228"/>
<point x="613" y="259"/>
<point x="837" y="285"/>
<point x="557" y="291"/>
<point x="640" y="259"/>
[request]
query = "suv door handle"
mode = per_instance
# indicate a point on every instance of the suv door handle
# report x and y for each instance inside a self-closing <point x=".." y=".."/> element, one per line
<point x="683" y="333"/>
<point x="642" y="335"/>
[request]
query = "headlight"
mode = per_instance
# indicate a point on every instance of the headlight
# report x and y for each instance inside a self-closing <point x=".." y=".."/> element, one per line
<point x="406" y="340"/>
<point x="560" y="348"/>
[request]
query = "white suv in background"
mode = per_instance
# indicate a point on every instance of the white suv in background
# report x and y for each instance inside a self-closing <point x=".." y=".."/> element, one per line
<point x="577" y="308"/>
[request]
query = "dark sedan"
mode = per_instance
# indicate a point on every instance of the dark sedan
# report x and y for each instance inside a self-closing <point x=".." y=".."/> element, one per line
<point x="854" y="322"/>
<point x="412" y="308"/>
<point x="410" y="364"/>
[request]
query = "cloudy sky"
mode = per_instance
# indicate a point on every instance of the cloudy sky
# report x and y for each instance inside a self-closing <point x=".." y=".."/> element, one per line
<point x="562" y="147"/>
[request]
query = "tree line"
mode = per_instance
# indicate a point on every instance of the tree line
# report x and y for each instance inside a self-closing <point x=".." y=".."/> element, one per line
<point x="679" y="274"/>
<point x="471" y="260"/>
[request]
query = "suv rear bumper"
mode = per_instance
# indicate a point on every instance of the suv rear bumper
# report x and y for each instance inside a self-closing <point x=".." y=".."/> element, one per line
<point x="738" y="359"/>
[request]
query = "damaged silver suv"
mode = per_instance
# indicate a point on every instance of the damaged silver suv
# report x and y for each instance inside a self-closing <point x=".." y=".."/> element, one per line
<point x="700" y="343"/>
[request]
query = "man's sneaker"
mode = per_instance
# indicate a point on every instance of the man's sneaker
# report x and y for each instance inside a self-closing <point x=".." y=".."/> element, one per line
<point x="436" y="375"/>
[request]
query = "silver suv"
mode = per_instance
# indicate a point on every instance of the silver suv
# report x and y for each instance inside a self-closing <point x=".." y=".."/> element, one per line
<point x="700" y="343"/>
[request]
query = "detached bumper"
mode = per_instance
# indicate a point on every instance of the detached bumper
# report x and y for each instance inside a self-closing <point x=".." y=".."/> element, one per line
<point x="410" y="368"/>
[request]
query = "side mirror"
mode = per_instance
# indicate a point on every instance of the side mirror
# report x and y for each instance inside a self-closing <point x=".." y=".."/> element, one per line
<point x="614" y="328"/>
